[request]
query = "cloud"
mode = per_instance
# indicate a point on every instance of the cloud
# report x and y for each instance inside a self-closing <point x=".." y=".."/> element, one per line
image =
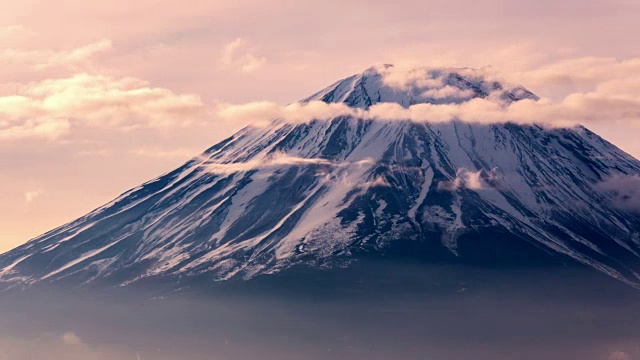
<point x="378" y="181"/>
<point x="108" y="101"/>
<point x="582" y="74"/>
<point x="47" y="128"/>
<point x="77" y="56"/>
<point x="239" y="56"/>
<point x="70" y="338"/>
<point x="448" y="92"/>
<point x="623" y="192"/>
<point x="585" y="108"/>
<point x="275" y="160"/>
<point x="97" y="152"/>
<point x="435" y="82"/>
<point x="262" y="113"/>
<point x="406" y="77"/>
<point x="14" y="34"/>
<point x="181" y="153"/>
<point x="38" y="60"/>
<point x="32" y="195"/>
<point x="482" y="111"/>
<point x="55" y="92"/>
<point x="278" y="160"/>
<point x="49" y="108"/>
<point x="619" y="355"/>
<point x="452" y="102"/>
<point x="66" y="346"/>
<point x="466" y="179"/>
<point x="602" y="105"/>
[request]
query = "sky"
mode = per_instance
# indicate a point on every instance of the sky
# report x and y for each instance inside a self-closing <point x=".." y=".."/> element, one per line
<point x="98" y="97"/>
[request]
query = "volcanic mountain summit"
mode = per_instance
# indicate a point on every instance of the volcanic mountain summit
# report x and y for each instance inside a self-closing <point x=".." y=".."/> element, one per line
<point x="330" y="190"/>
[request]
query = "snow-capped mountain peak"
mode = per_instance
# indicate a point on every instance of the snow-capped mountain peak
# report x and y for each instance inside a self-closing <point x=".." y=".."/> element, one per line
<point x="416" y="85"/>
<point x="327" y="191"/>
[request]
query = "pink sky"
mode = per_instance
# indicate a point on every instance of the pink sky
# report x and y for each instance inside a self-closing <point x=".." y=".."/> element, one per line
<point x="97" y="97"/>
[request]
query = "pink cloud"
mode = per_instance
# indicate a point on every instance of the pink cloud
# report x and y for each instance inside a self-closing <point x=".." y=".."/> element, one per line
<point x="47" y="108"/>
<point x="239" y="56"/>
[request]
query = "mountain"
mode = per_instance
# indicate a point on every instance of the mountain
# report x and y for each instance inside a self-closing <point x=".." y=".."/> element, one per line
<point x="325" y="192"/>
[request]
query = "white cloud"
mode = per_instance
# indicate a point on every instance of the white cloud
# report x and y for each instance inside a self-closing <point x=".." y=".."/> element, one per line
<point x="96" y="152"/>
<point x="14" y="34"/>
<point x="18" y="58"/>
<point x="578" y="108"/>
<point x="466" y="179"/>
<point x="56" y="91"/>
<point x="473" y="111"/>
<point x="262" y="113"/>
<point x="50" y="107"/>
<point x="54" y="346"/>
<point x="412" y="76"/>
<point x="448" y="92"/>
<point x="181" y="153"/>
<point x="31" y="196"/>
<point x="47" y="128"/>
<point x="239" y="56"/>
<point x="70" y="338"/>
<point x="77" y="56"/>
<point x="277" y="160"/>
<point x="409" y="76"/>
<point x="378" y="181"/>
<point x="581" y="74"/>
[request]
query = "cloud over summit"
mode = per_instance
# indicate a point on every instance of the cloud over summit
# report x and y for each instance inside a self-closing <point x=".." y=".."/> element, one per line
<point x="468" y="95"/>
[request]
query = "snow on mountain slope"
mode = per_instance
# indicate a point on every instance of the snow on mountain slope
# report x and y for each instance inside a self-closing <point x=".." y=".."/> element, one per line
<point x="327" y="190"/>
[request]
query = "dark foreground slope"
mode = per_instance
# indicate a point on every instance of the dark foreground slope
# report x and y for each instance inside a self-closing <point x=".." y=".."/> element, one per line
<point x="371" y="310"/>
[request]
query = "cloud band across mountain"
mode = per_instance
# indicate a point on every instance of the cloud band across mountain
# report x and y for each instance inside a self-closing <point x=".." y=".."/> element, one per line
<point x="276" y="160"/>
<point x="571" y="112"/>
<point x="436" y="95"/>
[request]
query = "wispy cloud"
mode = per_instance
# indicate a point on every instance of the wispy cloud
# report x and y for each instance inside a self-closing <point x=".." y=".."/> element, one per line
<point x="263" y="112"/>
<point x="160" y="153"/>
<point x="67" y="346"/>
<point x="619" y="355"/>
<point x="238" y="55"/>
<point x="278" y="160"/>
<point x="50" y="107"/>
<point x="56" y="91"/>
<point x="599" y="106"/>
<point x="70" y="338"/>
<point x="467" y="179"/>
<point x="623" y="192"/>
<point x="15" y="34"/>
<point x="378" y="181"/>
<point x="575" y="109"/>
<point x="40" y="60"/>
<point x="32" y="195"/>
<point x="77" y="57"/>
<point x="275" y="160"/>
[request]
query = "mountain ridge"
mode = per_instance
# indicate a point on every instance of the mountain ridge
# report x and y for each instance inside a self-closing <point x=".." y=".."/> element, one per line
<point x="322" y="192"/>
